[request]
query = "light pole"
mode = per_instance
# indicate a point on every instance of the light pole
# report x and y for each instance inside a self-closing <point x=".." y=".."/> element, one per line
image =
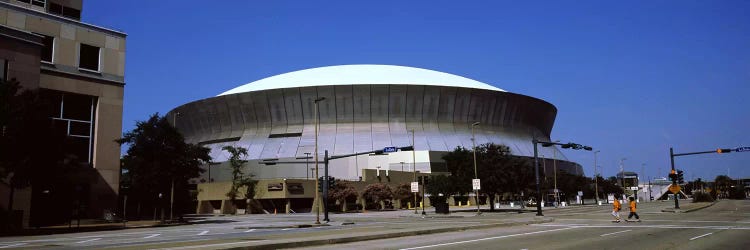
<point x="414" y="168"/>
<point x="596" y="180"/>
<point x="474" y="150"/>
<point x="554" y="168"/>
<point x="536" y="165"/>
<point x="171" y="193"/>
<point x="307" y="165"/>
<point x="317" y="180"/>
<point x="643" y="167"/>
<point x="622" y="172"/>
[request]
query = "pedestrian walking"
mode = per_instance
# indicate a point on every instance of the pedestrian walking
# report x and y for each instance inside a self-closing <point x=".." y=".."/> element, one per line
<point x="616" y="210"/>
<point x="632" y="210"/>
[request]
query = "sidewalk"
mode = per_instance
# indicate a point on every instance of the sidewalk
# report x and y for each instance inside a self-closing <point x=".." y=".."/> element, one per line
<point x="687" y="206"/>
<point x="90" y="226"/>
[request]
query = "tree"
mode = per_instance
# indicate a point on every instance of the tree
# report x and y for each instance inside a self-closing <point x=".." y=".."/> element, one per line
<point x="378" y="193"/>
<point x="31" y="143"/>
<point x="158" y="158"/>
<point x="440" y="187"/>
<point x="239" y="179"/>
<point x="501" y="171"/>
<point x="460" y="163"/>
<point x="723" y="184"/>
<point x="343" y="192"/>
<point x="609" y="186"/>
<point x="403" y="194"/>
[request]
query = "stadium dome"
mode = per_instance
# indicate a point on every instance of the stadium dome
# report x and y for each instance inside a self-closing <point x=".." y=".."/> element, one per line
<point x="366" y="108"/>
<point x="363" y="74"/>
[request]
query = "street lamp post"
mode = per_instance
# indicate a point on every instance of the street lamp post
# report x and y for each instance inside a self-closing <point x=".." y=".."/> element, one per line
<point x="414" y="168"/>
<point x="622" y="172"/>
<point x="596" y="180"/>
<point x="536" y="165"/>
<point x="554" y="168"/>
<point x="307" y="165"/>
<point x="171" y="193"/>
<point x="536" y="173"/>
<point x="317" y="180"/>
<point x="474" y="150"/>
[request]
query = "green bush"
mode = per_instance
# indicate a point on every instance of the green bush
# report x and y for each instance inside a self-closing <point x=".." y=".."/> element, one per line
<point x="702" y="197"/>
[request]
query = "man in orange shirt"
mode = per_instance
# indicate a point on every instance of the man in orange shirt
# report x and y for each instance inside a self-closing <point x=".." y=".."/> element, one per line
<point x="616" y="210"/>
<point x="632" y="210"/>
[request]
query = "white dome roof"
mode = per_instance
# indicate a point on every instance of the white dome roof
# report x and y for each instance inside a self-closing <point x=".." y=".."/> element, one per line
<point x="360" y="75"/>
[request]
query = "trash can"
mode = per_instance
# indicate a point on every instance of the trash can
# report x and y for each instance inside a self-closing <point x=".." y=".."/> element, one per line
<point x="441" y="208"/>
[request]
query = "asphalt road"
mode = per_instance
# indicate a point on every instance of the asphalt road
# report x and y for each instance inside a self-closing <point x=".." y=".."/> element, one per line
<point x="233" y="231"/>
<point x="725" y="225"/>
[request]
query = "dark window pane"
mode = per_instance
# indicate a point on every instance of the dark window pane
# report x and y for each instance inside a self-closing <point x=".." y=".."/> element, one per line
<point x="80" y="128"/>
<point x="60" y="127"/>
<point x="3" y="69"/>
<point x="49" y="43"/>
<point x="89" y="58"/>
<point x="77" y="107"/>
<point x="55" y="9"/>
<point x="72" y="13"/>
<point x="79" y="147"/>
<point x="39" y="3"/>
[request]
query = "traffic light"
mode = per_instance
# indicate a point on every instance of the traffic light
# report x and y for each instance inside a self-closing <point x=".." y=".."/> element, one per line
<point x="672" y="175"/>
<point x="331" y="182"/>
<point x="680" y="177"/>
<point x="320" y="182"/>
<point x="723" y="150"/>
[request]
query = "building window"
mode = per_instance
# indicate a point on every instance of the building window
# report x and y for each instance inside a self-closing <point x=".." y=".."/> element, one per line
<point x="49" y="48"/>
<point x="89" y="57"/>
<point x="3" y="69"/>
<point x="64" y="11"/>
<point x="71" y="13"/>
<point x="74" y="116"/>
<point x="55" y="9"/>
<point x="40" y="3"/>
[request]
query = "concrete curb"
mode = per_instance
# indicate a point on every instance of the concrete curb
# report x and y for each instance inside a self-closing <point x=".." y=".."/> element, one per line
<point x="672" y="210"/>
<point x="378" y="236"/>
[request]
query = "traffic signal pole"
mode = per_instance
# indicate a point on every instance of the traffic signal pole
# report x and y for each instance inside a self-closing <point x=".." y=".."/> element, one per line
<point x="671" y="159"/>
<point x="674" y="180"/>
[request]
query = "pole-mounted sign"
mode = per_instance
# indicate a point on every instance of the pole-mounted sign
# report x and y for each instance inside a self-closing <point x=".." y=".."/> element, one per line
<point x="742" y="149"/>
<point x="475" y="184"/>
<point x="389" y="149"/>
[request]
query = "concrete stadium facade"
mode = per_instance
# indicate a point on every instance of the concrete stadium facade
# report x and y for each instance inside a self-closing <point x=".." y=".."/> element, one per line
<point x="367" y="107"/>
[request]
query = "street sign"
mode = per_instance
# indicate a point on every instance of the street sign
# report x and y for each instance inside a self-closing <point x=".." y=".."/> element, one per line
<point x="389" y="149"/>
<point x="580" y="193"/>
<point x="742" y="149"/>
<point x="475" y="184"/>
<point x="415" y="187"/>
<point x="674" y="188"/>
<point x="633" y="188"/>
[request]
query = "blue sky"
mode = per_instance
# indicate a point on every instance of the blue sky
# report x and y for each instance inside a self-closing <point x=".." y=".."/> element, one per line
<point x="629" y="78"/>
